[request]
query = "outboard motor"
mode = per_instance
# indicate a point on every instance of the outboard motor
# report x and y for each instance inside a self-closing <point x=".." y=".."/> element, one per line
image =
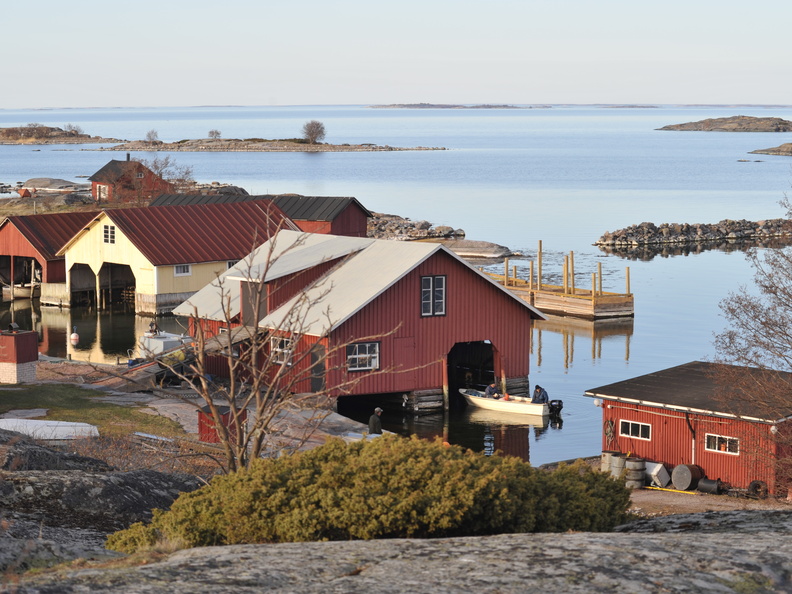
<point x="555" y="407"/>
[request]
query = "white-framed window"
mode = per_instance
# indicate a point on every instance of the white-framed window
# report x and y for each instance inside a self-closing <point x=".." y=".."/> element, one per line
<point x="433" y="295"/>
<point x="109" y="233"/>
<point x="636" y="430"/>
<point x="281" y="348"/>
<point x="231" y="264"/>
<point x="182" y="270"/>
<point x="223" y="330"/>
<point x="363" y="356"/>
<point x="721" y="443"/>
<point x="140" y="175"/>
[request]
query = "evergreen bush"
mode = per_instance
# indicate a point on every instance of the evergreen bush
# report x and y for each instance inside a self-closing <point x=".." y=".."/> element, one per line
<point x="389" y="487"/>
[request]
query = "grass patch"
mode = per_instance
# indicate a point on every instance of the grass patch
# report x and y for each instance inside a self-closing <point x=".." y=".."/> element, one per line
<point x="70" y="403"/>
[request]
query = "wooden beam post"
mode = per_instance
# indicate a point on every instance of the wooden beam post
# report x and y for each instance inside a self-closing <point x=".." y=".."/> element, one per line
<point x="505" y="272"/>
<point x="627" y="276"/>
<point x="539" y="264"/>
<point x="530" y="275"/>
<point x="599" y="276"/>
<point x="565" y="273"/>
<point x="572" y="271"/>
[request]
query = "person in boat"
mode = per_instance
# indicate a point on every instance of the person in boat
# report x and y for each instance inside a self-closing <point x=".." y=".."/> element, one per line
<point x="492" y="391"/>
<point x="375" y="424"/>
<point x="540" y="395"/>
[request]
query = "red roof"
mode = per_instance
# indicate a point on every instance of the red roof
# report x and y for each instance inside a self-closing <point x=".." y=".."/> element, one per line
<point x="168" y="235"/>
<point x="48" y="233"/>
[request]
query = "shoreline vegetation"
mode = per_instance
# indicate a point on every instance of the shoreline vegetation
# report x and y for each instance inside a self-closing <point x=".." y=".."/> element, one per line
<point x="36" y="134"/>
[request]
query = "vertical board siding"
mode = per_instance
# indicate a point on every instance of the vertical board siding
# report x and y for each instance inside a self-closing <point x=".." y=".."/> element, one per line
<point x="673" y="442"/>
<point x="476" y="311"/>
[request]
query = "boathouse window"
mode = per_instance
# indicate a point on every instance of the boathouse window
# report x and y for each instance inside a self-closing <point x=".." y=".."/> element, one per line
<point x="281" y="348"/>
<point x="433" y="295"/>
<point x="182" y="270"/>
<point x="231" y="264"/>
<point x="721" y="443"/>
<point x="637" y="430"/>
<point x="362" y="356"/>
<point x="109" y="233"/>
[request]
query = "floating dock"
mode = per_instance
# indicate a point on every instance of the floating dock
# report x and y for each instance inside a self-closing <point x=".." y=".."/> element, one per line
<point x="568" y="299"/>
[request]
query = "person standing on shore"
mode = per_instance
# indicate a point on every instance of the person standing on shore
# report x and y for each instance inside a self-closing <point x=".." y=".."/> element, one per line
<point x="375" y="424"/>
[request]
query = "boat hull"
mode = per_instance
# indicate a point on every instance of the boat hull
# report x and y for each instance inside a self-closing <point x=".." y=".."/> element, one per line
<point x="520" y="406"/>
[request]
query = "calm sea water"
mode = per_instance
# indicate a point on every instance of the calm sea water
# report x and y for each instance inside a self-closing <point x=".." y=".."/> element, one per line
<point x="562" y="175"/>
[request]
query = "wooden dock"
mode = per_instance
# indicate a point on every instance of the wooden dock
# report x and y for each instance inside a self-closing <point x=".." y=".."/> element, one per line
<point x="568" y="299"/>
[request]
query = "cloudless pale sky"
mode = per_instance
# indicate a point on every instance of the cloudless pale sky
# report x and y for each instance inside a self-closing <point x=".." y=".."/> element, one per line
<point x="95" y="53"/>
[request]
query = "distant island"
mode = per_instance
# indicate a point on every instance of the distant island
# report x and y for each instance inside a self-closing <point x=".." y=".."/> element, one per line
<point x="785" y="150"/>
<point x="451" y="106"/>
<point x="40" y="134"/>
<point x="231" y="145"/>
<point x="734" y="124"/>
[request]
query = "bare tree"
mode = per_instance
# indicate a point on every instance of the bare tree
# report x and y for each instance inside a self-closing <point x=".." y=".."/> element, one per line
<point x="152" y="136"/>
<point x="276" y="395"/>
<point x="214" y="134"/>
<point x="758" y="342"/>
<point x="73" y="129"/>
<point x="181" y="176"/>
<point x="313" y="131"/>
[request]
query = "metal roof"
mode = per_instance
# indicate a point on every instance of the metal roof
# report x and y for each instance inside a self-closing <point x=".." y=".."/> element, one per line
<point x="288" y="254"/>
<point x="373" y="266"/>
<point x="114" y="170"/>
<point x="691" y="387"/>
<point x="48" y="233"/>
<point x="168" y="235"/>
<point x="296" y="207"/>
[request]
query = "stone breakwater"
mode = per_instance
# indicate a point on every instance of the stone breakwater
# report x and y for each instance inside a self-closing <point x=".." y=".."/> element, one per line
<point x="684" y="233"/>
<point x="386" y="226"/>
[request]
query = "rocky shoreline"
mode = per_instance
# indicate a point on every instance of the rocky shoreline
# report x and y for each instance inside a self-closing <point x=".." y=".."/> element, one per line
<point x="738" y="123"/>
<point x="648" y="234"/>
<point x="252" y="145"/>
<point x="784" y="150"/>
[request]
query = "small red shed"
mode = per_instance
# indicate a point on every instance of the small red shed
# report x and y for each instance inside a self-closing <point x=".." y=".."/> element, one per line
<point x="18" y="355"/>
<point x="127" y="181"/>
<point x="207" y="430"/>
<point x="685" y="415"/>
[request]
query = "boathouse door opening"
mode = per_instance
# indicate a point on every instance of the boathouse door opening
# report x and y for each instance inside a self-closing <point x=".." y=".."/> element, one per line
<point x="470" y="365"/>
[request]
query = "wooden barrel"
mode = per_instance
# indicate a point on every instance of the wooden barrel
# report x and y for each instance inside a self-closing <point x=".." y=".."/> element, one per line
<point x="617" y="465"/>
<point x="686" y="476"/>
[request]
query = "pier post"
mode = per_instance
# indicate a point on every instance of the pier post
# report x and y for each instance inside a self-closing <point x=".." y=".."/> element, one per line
<point x="593" y="284"/>
<point x="539" y="264"/>
<point x="505" y="272"/>
<point x="530" y="275"/>
<point x="627" y="277"/>
<point x="572" y="271"/>
<point x="565" y="273"/>
<point x="599" y="276"/>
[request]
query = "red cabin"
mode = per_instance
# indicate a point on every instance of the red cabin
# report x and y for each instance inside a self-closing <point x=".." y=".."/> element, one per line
<point x="684" y="415"/>
<point x="127" y="181"/>
<point x="394" y="317"/>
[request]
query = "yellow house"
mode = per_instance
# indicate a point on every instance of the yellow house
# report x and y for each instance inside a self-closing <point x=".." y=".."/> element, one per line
<point x="157" y="257"/>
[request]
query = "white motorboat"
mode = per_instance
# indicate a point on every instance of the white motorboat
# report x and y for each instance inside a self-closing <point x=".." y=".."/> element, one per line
<point x="519" y="405"/>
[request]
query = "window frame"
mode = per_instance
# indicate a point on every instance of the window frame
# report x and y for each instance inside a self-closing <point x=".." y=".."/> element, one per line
<point x="434" y="293"/>
<point x="281" y="349"/>
<point x="353" y="354"/>
<point x="721" y="440"/>
<point x="187" y="270"/>
<point x="638" y="425"/>
<point x="108" y="234"/>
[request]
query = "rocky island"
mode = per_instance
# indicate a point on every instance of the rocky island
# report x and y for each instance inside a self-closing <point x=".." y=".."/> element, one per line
<point x="784" y="150"/>
<point x="230" y="145"/>
<point x="39" y="134"/>
<point x="738" y="123"/>
<point x="449" y="106"/>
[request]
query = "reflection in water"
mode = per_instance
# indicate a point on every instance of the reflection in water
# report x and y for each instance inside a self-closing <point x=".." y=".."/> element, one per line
<point x="666" y="250"/>
<point x="105" y="336"/>
<point x="596" y="331"/>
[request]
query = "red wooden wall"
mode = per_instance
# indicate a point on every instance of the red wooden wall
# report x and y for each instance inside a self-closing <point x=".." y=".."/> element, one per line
<point x="676" y="439"/>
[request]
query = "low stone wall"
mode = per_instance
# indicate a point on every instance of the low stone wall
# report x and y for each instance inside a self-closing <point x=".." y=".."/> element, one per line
<point x="684" y="233"/>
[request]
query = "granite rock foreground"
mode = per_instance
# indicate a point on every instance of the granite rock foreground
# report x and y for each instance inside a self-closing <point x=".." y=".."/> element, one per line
<point x="754" y="558"/>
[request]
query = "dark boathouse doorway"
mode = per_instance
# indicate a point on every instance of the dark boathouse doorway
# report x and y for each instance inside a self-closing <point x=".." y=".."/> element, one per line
<point x="470" y="365"/>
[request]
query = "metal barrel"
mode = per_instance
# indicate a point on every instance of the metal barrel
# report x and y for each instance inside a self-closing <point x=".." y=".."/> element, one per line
<point x="685" y="477"/>
<point x="617" y="465"/>
<point x="605" y="460"/>
<point x="712" y="486"/>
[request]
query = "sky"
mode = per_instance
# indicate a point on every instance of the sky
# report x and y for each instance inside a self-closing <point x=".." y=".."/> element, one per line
<point x="90" y="53"/>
